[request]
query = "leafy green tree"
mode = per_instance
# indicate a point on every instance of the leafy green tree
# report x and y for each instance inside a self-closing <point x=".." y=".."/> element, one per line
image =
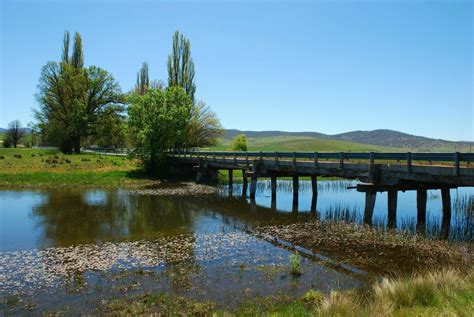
<point x="239" y="143"/>
<point x="158" y="122"/>
<point x="204" y="127"/>
<point x="74" y="100"/>
<point x="181" y="65"/>
<point x="14" y="134"/>
<point x="111" y="131"/>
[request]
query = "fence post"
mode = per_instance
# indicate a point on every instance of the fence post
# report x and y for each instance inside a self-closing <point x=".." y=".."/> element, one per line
<point x="294" y="158"/>
<point x="457" y="166"/>
<point x="372" y="158"/>
<point x="316" y="159"/>
<point x="341" y="160"/>
<point x="276" y="158"/>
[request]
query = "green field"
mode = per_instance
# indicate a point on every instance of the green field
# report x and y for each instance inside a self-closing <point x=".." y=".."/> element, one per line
<point x="29" y="167"/>
<point x="289" y="143"/>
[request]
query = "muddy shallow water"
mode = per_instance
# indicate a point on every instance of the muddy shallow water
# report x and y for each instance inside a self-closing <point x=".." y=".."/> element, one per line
<point x="76" y="248"/>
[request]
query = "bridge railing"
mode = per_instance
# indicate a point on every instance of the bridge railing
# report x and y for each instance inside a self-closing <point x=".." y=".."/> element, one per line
<point x="456" y="157"/>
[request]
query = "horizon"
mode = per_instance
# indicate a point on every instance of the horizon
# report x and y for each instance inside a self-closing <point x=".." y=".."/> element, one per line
<point x="414" y="58"/>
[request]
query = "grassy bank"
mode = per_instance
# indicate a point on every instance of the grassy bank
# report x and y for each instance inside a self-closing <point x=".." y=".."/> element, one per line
<point x="43" y="168"/>
<point x="446" y="292"/>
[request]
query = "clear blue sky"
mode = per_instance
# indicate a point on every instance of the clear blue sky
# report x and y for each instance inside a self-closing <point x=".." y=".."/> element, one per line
<point x="331" y="66"/>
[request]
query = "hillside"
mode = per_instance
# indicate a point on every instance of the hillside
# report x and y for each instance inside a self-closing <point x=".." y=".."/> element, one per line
<point x="303" y="143"/>
<point x="402" y="140"/>
<point x="387" y="139"/>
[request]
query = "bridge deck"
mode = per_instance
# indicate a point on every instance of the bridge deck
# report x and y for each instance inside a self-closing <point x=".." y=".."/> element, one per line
<point x="350" y="165"/>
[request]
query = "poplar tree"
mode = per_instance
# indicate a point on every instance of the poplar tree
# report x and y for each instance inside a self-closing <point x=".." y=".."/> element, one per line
<point x="181" y="65"/>
<point x="143" y="80"/>
<point x="77" y="59"/>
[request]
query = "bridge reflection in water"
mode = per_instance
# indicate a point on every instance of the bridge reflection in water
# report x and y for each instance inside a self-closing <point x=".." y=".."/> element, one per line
<point x="378" y="172"/>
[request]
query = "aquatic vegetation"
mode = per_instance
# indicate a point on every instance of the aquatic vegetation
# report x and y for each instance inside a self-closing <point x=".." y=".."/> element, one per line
<point x="368" y="248"/>
<point x="295" y="266"/>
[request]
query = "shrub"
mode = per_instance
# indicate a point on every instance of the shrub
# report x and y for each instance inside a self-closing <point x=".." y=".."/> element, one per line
<point x="7" y="143"/>
<point x="239" y="143"/>
<point x="2" y="157"/>
<point x="295" y="267"/>
<point x="313" y="297"/>
<point x="18" y="156"/>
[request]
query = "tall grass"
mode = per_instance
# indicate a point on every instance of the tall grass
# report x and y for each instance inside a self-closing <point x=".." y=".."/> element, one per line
<point x="447" y="292"/>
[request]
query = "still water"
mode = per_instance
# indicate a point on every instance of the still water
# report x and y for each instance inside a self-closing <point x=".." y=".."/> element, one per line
<point x="76" y="246"/>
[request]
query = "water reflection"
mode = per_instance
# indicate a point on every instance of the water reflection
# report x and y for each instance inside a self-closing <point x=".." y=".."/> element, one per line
<point x="70" y="216"/>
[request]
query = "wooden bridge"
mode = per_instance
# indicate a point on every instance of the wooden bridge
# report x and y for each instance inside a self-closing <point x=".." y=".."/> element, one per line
<point x="378" y="172"/>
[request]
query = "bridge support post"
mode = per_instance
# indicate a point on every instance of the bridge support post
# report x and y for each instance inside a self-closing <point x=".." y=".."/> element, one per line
<point x="295" y="193"/>
<point x="369" y="206"/>
<point x="244" y="184"/>
<point x="231" y="185"/>
<point x="253" y="186"/>
<point x="446" y="221"/>
<point x="421" y="209"/>
<point x="314" y="197"/>
<point x="392" y="208"/>
<point x="273" y="181"/>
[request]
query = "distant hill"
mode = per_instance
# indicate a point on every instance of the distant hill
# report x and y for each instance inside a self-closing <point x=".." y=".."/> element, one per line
<point x="2" y="130"/>
<point x="231" y="133"/>
<point x="382" y="138"/>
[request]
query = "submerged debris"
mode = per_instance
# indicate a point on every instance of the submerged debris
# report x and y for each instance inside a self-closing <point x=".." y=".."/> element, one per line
<point x="176" y="189"/>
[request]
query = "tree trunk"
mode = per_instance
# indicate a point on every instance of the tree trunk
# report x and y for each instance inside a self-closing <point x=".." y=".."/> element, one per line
<point x="77" y="145"/>
<point x="66" y="146"/>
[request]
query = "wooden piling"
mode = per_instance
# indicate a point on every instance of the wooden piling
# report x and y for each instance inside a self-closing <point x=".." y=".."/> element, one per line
<point x="314" y="203"/>
<point x="314" y="185"/>
<point x="273" y="181"/>
<point x="253" y="186"/>
<point x="231" y="185"/>
<point x="244" y="184"/>
<point x="369" y="206"/>
<point x="295" y="192"/>
<point x="446" y="220"/>
<point x="392" y="208"/>
<point x="421" y="206"/>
